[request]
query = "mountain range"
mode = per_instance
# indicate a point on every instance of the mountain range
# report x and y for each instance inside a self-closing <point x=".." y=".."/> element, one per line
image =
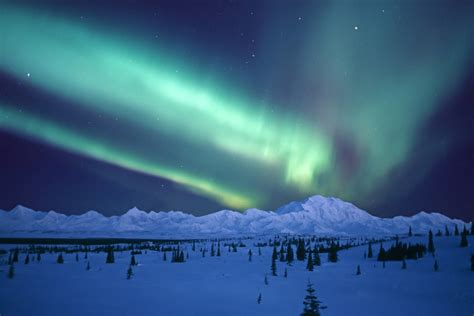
<point x="314" y="215"/>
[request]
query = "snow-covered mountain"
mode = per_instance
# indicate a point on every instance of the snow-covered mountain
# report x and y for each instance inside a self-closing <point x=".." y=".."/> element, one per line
<point x="315" y="215"/>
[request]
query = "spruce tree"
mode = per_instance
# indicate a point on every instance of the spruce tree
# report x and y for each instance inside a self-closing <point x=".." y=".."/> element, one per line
<point x="88" y="267"/>
<point x="436" y="267"/>
<point x="369" y="251"/>
<point x="38" y="257"/>
<point x="213" y="253"/>
<point x="282" y="253"/>
<point x="431" y="247"/>
<point x="250" y="254"/>
<point x="273" y="267"/>
<point x="311" y="303"/>
<point x="129" y="272"/>
<point x="309" y="265"/>
<point x="464" y="242"/>
<point x="274" y="253"/>
<point x="300" y="250"/>
<point x="286" y="273"/>
<point x="472" y="228"/>
<point x="60" y="259"/>
<point x="410" y="233"/>
<point x="77" y="257"/>
<point x="15" y="255"/>
<point x="289" y="254"/>
<point x="472" y="262"/>
<point x="332" y="254"/>
<point x="456" y="230"/>
<point x="259" y="299"/>
<point x="446" y="231"/>
<point x="316" y="257"/>
<point x="110" y="256"/>
<point x="219" y="249"/>
<point x="358" y="270"/>
<point x="11" y="271"/>
<point x="10" y="259"/>
<point x="259" y="251"/>
<point x="27" y="259"/>
<point x="265" y="281"/>
<point x="133" y="262"/>
<point x="382" y="254"/>
<point x="164" y="255"/>
<point x="404" y="264"/>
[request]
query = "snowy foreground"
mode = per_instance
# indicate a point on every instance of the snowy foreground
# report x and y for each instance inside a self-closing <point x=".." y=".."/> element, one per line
<point x="230" y="284"/>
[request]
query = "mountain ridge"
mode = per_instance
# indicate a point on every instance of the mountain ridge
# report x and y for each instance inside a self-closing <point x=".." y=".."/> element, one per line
<point x="313" y="215"/>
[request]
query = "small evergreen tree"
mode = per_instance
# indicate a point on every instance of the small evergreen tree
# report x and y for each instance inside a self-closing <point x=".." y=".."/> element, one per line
<point x="436" y="267"/>
<point x="300" y="250"/>
<point x="27" y="259"/>
<point x="410" y="233"/>
<point x="446" y="230"/>
<point x="472" y="228"/>
<point x="404" y="264"/>
<point x="250" y="254"/>
<point x="38" y="257"/>
<point x="472" y="262"/>
<point x="273" y="267"/>
<point x="133" y="262"/>
<point x="219" y="249"/>
<point x="164" y="255"/>
<point x="274" y="253"/>
<point x="282" y="253"/>
<point x="259" y="299"/>
<point x="309" y="265"/>
<point x="456" y="230"/>
<point x="286" y="273"/>
<point x="77" y="257"/>
<point x="85" y="255"/>
<point x="289" y="254"/>
<point x="88" y="267"/>
<point x="369" y="252"/>
<point x="213" y="253"/>
<point x="431" y="247"/>
<point x="332" y="254"/>
<point x="311" y="303"/>
<point x="11" y="271"/>
<point x="265" y="281"/>
<point x="259" y="251"/>
<point x="60" y="259"/>
<point x="15" y="255"/>
<point x="316" y="257"/>
<point x="129" y="272"/>
<point x="110" y="256"/>
<point x="382" y="254"/>
<point x="358" y="270"/>
<point x="464" y="242"/>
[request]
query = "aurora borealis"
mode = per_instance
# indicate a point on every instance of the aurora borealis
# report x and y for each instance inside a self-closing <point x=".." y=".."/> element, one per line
<point x="237" y="104"/>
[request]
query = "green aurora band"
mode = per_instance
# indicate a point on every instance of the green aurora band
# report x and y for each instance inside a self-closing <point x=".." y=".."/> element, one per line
<point x="113" y="75"/>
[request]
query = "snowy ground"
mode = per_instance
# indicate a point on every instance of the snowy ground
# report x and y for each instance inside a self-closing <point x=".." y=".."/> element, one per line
<point x="230" y="284"/>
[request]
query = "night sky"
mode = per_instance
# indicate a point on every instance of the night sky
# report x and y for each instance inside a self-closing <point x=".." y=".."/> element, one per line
<point x="204" y="105"/>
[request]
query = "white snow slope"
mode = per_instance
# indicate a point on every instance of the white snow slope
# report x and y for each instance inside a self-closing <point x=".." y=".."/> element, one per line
<point x="315" y="215"/>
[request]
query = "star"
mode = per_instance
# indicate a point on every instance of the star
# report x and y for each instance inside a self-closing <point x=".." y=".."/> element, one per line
<point x="356" y="27"/>
<point x="28" y="74"/>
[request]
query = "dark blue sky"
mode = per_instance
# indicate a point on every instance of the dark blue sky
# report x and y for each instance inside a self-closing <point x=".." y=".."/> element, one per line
<point x="204" y="105"/>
